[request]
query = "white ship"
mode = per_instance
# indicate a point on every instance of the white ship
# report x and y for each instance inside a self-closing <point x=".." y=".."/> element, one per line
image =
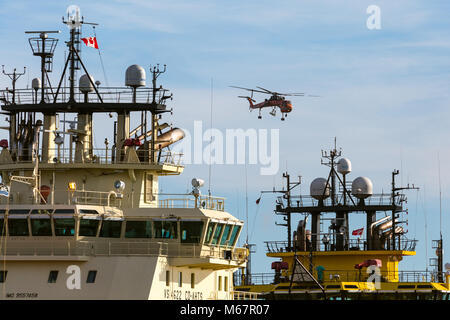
<point x="78" y="222"/>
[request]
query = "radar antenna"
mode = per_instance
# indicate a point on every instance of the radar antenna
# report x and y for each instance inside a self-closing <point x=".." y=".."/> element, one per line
<point x="43" y="47"/>
<point x="74" y="22"/>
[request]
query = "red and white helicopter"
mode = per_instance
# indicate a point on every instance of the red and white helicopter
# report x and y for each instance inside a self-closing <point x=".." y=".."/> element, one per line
<point x="276" y="100"/>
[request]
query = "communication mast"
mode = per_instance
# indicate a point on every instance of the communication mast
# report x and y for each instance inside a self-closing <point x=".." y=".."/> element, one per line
<point x="14" y="76"/>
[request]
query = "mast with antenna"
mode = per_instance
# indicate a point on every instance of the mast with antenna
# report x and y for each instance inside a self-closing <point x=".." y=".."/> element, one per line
<point x="439" y="244"/>
<point x="248" y="245"/>
<point x="13" y="125"/>
<point x="210" y="141"/>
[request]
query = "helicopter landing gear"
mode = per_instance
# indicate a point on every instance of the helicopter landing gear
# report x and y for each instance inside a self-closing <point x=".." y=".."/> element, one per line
<point x="273" y="113"/>
<point x="282" y="119"/>
<point x="259" y="117"/>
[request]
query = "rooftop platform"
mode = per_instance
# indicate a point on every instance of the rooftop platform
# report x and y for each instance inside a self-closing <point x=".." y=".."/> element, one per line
<point x="110" y="99"/>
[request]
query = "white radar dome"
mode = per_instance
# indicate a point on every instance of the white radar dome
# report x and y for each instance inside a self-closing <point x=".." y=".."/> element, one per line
<point x="85" y="85"/>
<point x="344" y="166"/>
<point x="135" y="76"/>
<point x="319" y="189"/>
<point x="36" y="83"/>
<point x="362" y="187"/>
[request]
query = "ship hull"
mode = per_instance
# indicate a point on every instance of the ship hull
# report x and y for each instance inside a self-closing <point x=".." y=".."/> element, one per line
<point x="116" y="278"/>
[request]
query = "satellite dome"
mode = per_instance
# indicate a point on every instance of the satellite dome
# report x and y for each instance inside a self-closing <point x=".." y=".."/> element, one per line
<point x="344" y="166"/>
<point x="85" y="85"/>
<point x="36" y="83"/>
<point x="362" y="187"/>
<point x="135" y="76"/>
<point x="319" y="189"/>
<point x="74" y="19"/>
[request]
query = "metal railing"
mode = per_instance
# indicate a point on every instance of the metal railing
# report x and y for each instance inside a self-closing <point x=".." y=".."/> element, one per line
<point x="385" y="276"/>
<point x="375" y="199"/>
<point x="100" y="156"/>
<point x="254" y="279"/>
<point x="341" y="276"/>
<point x="204" y="202"/>
<point x="108" y="95"/>
<point x="94" y="198"/>
<point x="242" y="295"/>
<point x="119" y="248"/>
<point x="352" y="244"/>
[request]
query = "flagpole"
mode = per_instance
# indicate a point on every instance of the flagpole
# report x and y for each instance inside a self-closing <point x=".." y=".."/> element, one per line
<point x="101" y="59"/>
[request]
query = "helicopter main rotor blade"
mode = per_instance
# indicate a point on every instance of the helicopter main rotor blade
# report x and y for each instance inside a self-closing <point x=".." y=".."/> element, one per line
<point x="267" y="91"/>
<point x="241" y="88"/>
<point x="252" y="90"/>
<point x="299" y="94"/>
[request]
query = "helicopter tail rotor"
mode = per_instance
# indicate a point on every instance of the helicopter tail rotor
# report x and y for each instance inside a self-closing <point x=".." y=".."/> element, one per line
<point x="246" y="97"/>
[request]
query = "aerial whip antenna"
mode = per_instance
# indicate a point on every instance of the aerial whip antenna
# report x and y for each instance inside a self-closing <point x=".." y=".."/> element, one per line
<point x="210" y="140"/>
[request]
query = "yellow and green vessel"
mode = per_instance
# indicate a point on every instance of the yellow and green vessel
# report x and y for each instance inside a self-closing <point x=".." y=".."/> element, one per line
<point x="320" y="260"/>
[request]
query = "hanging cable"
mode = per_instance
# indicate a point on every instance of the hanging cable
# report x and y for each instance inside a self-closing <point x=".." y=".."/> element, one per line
<point x="254" y="222"/>
<point x="101" y="60"/>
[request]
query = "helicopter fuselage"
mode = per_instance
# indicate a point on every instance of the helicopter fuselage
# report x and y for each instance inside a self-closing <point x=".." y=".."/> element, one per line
<point x="284" y="105"/>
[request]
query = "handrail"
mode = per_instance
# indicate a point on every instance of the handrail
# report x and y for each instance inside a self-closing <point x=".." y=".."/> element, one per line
<point x="382" y="199"/>
<point x="107" y="94"/>
<point x="101" y="156"/>
<point x="338" y="276"/>
<point x="352" y="244"/>
<point x="203" y="202"/>
<point x="119" y="248"/>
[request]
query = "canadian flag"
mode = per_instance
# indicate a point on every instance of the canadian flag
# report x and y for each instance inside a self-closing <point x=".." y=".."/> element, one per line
<point x="357" y="232"/>
<point x="90" y="42"/>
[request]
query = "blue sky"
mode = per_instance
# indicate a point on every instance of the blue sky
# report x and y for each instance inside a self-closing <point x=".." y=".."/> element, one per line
<point x="384" y="93"/>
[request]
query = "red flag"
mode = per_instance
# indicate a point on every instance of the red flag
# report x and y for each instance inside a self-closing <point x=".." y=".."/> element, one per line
<point x="357" y="232"/>
<point x="90" y="42"/>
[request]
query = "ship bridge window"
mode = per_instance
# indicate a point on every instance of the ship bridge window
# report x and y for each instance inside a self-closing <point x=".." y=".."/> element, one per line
<point x="423" y="286"/>
<point x="233" y="237"/>
<point x="217" y="233"/>
<point x="111" y="229"/>
<point x="87" y="211"/>
<point x="41" y="211"/>
<point x="92" y="275"/>
<point x="209" y="232"/>
<point x="138" y="229"/>
<point x="191" y="231"/>
<point x="165" y="229"/>
<point x="64" y="227"/>
<point x="41" y="227"/>
<point x="52" y="276"/>
<point x="3" y="274"/>
<point x="18" y="227"/>
<point x="64" y="211"/>
<point x="226" y="232"/>
<point x="88" y="227"/>
<point x="2" y="227"/>
<point x="19" y="211"/>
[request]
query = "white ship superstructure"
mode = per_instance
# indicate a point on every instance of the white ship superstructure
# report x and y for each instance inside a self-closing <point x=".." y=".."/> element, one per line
<point x="77" y="222"/>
